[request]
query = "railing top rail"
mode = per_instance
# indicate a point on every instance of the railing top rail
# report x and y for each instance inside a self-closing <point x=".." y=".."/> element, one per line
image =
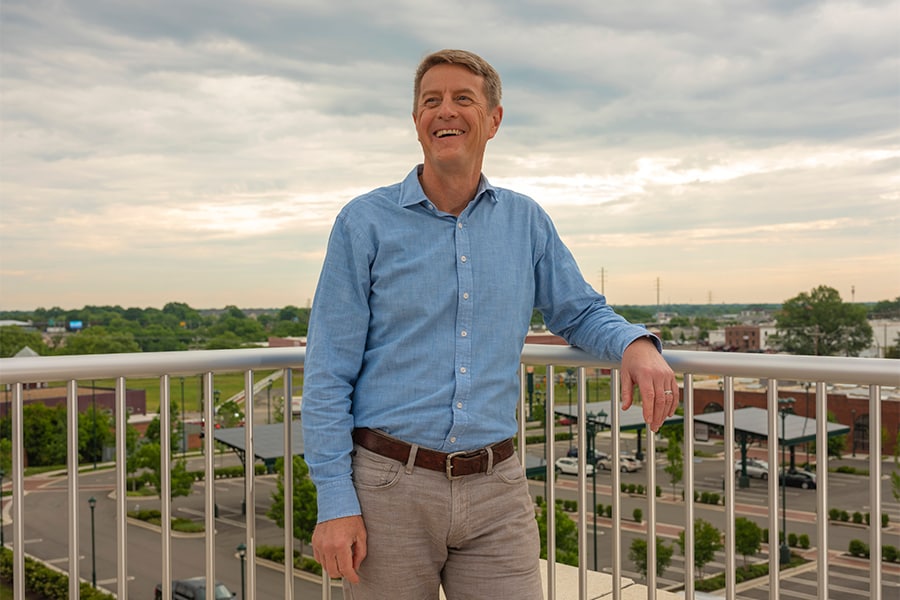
<point x="862" y="371"/>
<point x="832" y="369"/>
<point x="34" y="369"/>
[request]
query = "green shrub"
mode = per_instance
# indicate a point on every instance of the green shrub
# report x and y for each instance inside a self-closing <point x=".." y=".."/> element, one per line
<point x="884" y="520"/>
<point x="792" y="540"/>
<point x="858" y="517"/>
<point x="608" y="511"/>
<point x="834" y="514"/>
<point x="845" y="516"/>
<point x="858" y="548"/>
<point x="659" y="492"/>
<point x="889" y="553"/>
<point x="631" y="488"/>
<point x="45" y="582"/>
<point x="765" y="535"/>
<point x="638" y="515"/>
<point x="639" y="489"/>
<point x="803" y="541"/>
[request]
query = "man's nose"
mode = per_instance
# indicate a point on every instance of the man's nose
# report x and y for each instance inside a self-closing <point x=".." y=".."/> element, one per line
<point x="447" y="109"/>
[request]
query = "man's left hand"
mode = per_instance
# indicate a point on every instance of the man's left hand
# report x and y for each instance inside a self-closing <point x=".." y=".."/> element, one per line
<point x="643" y="366"/>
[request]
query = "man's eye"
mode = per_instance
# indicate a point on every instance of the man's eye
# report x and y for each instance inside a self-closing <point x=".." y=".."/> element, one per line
<point x="431" y="102"/>
<point x="464" y="99"/>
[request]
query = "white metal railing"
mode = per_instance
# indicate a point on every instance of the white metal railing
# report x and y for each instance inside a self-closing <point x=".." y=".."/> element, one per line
<point x="16" y="372"/>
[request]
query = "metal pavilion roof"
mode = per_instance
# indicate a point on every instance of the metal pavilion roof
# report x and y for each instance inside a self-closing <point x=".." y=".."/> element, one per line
<point x="268" y="440"/>
<point x="754" y="421"/>
<point x="629" y="420"/>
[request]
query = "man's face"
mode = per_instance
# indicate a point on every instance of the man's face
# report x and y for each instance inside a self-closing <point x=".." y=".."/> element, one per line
<point x="452" y="118"/>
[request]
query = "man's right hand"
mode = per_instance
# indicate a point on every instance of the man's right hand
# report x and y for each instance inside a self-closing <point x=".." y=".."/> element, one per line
<point x="340" y="546"/>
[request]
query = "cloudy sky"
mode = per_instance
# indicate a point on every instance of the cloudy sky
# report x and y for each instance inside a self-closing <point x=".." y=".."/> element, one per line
<point x="693" y="151"/>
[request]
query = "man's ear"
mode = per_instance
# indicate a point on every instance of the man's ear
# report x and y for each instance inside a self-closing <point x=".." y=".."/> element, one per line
<point x="496" y="118"/>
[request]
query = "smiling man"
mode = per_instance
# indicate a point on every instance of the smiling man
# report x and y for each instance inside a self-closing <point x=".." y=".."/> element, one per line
<point x="411" y="384"/>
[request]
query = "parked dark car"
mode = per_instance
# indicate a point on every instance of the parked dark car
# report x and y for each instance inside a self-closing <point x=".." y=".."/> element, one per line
<point x="194" y="589"/>
<point x="800" y="479"/>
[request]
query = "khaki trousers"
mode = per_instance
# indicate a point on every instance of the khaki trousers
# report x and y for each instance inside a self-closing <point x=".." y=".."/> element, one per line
<point x="476" y="536"/>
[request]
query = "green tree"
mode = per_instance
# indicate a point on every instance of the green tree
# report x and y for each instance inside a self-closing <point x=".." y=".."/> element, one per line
<point x="305" y="507"/>
<point x="44" y="434"/>
<point x="638" y="555"/>
<point x="149" y="456"/>
<point x="153" y="433"/>
<point x="674" y="454"/>
<point x="97" y="340"/>
<point x="707" y="541"/>
<point x="820" y="323"/>
<point x="895" y="485"/>
<point x="6" y="455"/>
<point x="95" y="431"/>
<point x="230" y="413"/>
<point x="836" y="443"/>
<point x="747" y="537"/>
<point x="566" y="535"/>
<point x="13" y="338"/>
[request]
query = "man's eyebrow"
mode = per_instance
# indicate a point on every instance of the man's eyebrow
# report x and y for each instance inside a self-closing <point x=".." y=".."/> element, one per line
<point x="435" y="91"/>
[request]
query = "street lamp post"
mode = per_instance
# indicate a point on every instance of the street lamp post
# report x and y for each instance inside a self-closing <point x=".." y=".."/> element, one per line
<point x="785" y="551"/>
<point x="92" y="502"/>
<point x="242" y="553"/>
<point x="591" y="425"/>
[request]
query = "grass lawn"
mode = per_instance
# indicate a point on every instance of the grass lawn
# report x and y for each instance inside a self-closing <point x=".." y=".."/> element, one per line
<point x="228" y="384"/>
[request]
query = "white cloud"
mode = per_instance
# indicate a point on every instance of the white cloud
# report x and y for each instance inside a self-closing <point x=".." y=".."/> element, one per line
<point x="164" y="151"/>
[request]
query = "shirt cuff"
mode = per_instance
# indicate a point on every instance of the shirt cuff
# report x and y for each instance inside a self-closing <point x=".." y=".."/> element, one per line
<point x="337" y="500"/>
<point x="648" y="336"/>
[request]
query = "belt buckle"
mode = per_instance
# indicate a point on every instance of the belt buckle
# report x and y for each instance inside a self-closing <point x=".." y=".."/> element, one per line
<point x="448" y="464"/>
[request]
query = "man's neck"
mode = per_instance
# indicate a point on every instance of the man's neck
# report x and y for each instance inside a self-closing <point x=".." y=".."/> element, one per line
<point x="450" y="190"/>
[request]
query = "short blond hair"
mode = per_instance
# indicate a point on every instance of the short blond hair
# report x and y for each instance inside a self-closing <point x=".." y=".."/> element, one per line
<point x="469" y="60"/>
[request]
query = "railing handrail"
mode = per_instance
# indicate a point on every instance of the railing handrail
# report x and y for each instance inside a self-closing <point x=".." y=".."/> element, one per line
<point x="33" y="369"/>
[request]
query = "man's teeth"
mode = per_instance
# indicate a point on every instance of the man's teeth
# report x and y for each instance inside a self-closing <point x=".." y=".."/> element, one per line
<point x="446" y="132"/>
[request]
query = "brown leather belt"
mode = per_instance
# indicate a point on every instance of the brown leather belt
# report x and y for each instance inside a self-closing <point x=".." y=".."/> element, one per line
<point x="453" y="464"/>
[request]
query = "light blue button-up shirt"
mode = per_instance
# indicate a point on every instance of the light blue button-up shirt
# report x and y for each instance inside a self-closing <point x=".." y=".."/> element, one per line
<point x="419" y="319"/>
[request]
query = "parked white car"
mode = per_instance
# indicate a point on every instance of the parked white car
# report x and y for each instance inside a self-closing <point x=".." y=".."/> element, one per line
<point x="569" y="465"/>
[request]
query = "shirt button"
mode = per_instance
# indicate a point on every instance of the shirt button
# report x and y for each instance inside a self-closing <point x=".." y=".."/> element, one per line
<point x="459" y="225"/>
<point x="465" y="295"/>
<point x="453" y="440"/>
<point x="464" y="333"/>
<point x="463" y="258"/>
<point x="459" y="405"/>
<point x="462" y="369"/>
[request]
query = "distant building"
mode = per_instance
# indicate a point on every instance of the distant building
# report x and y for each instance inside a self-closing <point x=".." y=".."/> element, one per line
<point x="102" y="398"/>
<point x="742" y="338"/>
<point x="287" y="342"/>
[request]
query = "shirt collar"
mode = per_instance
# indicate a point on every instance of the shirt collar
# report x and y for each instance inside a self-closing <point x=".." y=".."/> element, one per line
<point x="411" y="192"/>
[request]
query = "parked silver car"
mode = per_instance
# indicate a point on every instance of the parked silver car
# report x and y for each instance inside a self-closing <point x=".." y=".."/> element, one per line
<point x="755" y="468"/>
<point x="626" y="463"/>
